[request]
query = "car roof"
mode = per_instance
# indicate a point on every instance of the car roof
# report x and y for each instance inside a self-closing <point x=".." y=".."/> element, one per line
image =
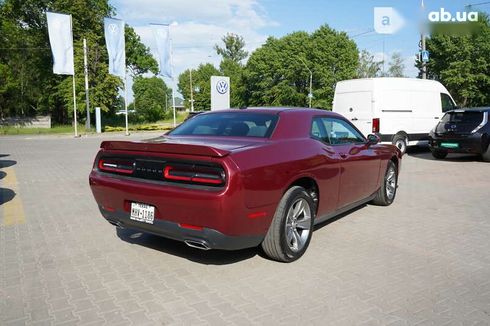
<point x="475" y="109"/>
<point x="275" y="109"/>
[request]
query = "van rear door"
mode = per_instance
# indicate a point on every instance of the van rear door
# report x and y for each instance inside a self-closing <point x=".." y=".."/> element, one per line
<point x="357" y="108"/>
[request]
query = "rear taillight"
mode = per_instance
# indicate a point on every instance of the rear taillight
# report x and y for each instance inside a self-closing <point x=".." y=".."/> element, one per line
<point x="194" y="174"/>
<point x="375" y="125"/>
<point x="115" y="165"/>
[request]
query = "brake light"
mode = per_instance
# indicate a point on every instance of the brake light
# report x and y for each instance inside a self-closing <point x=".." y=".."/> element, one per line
<point x="375" y="125"/>
<point x="116" y="165"/>
<point x="194" y="174"/>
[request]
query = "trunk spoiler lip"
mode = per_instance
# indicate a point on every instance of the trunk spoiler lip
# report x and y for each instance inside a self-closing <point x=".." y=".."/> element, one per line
<point x="171" y="148"/>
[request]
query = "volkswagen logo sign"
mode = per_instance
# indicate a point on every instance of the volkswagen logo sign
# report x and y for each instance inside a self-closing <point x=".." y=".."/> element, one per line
<point x="222" y="86"/>
<point x="113" y="28"/>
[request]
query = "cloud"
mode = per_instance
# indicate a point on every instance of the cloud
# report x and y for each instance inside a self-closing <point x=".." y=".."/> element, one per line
<point x="200" y="25"/>
<point x="228" y="12"/>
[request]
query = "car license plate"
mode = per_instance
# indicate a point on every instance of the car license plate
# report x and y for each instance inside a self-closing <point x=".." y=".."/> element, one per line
<point x="142" y="213"/>
<point x="450" y="145"/>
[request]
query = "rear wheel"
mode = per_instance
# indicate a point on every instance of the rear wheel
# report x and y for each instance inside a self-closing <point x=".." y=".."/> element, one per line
<point x="486" y="154"/>
<point x="400" y="141"/>
<point x="438" y="154"/>
<point x="387" y="192"/>
<point x="290" y="232"/>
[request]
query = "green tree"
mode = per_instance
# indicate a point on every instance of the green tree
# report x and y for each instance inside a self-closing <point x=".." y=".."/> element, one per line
<point x="232" y="54"/>
<point x="462" y="63"/>
<point x="396" y="66"/>
<point x="138" y="57"/>
<point x="150" y="95"/>
<point x="233" y="48"/>
<point x="201" y="84"/>
<point x="235" y="71"/>
<point x="368" y="67"/>
<point x="26" y="66"/>
<point x="278" y="72"/>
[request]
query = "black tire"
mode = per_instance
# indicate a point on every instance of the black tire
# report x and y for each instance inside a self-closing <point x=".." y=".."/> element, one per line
<point x="387" y="192"/>
<point x="276" y="244"/>
<point x="400" y="141"/>
<point x="438" y="154"/>
<point x="486" y="154"/>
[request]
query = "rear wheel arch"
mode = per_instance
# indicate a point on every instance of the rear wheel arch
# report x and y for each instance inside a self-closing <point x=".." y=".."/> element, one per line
<point x="311" y="187"/>
<point x="395" y="160"/>
<point x="400" y="140"/>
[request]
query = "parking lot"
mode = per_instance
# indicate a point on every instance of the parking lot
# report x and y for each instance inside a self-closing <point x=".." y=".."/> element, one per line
<point x="425" y="260"/>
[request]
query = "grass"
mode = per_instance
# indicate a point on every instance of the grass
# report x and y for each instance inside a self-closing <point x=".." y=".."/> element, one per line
<point x="59" y="129"/>
<point x="68" y="129"/>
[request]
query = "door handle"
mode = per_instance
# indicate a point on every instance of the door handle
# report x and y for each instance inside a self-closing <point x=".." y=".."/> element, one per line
<point x="436" y="117"/>
<point x="354" y="119"/>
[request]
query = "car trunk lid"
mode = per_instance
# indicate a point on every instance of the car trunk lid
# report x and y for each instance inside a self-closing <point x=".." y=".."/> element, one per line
<point x="459" y="122"/>
<point x="187" y="145"/>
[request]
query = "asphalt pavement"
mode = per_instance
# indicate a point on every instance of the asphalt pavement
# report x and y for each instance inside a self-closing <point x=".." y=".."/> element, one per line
<point x="425" y="260"/>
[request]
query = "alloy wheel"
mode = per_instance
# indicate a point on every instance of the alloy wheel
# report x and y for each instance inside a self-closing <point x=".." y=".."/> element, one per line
<point x="298" y="224"/>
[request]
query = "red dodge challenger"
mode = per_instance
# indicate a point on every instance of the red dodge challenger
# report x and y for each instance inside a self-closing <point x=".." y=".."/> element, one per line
<point x="234" y="179"/>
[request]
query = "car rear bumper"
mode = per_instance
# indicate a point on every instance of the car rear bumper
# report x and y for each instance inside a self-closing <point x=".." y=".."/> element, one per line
<point x="218" y="218"/>
<point x="471" y="144"/>
<point x="204" y="238"/>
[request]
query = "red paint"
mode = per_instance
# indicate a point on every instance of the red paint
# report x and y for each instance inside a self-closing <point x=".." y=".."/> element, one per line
<point x="257" y="215"/>
<point x="190" y="227"/>
<point x="258" y="173"/>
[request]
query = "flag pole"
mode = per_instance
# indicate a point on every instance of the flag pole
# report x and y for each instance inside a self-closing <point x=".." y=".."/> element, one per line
<point x="85" y="68"/>
<point x="126" y="102"/>
<point x="75" y="106"/>
<point x="173" y="77"/>
<point x="74" y="91"/>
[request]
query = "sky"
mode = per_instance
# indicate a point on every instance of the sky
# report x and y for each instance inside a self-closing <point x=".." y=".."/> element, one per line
<point x="197" y="25"/>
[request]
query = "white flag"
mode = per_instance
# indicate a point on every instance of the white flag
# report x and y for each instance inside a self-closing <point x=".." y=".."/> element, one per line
<point x="161" y="34"/>
<point x="116" y="47"/>
<point x="61" y="40"/>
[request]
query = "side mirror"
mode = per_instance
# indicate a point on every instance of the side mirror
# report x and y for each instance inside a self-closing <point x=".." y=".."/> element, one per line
<point x="373" y="139"/>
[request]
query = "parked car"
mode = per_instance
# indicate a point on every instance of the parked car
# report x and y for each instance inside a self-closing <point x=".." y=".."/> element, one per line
<point x="462" y="131"/>
<point x="192" y="114"/>
<point x="234" y="179"/>
<point x="401" y="111"/>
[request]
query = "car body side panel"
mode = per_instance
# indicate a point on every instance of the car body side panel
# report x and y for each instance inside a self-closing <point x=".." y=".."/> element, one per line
<point x="267" y="172"/>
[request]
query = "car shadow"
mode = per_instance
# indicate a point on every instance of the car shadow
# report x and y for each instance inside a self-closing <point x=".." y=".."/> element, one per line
<point x="337" y="217"/>
<point x="177" y="248"/>
<point x="6" y="195"/>
<point x="7" y="163"/>
<point x="425" y="154"/>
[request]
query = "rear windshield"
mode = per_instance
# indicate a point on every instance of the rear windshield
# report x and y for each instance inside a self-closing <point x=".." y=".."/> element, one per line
<point x="230" y="124"/>
<point x="463" y="117"/>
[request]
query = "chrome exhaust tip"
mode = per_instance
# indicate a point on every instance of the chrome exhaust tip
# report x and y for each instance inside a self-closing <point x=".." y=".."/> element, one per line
<point x="117" y="224"/>
<point x="197" y="244"/>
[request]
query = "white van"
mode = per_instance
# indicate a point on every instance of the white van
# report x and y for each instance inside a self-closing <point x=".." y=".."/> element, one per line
<point x="401" y="111"/>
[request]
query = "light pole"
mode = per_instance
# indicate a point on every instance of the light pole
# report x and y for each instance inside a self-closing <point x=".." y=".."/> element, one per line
<point x="192" y="95"/>
<point x="85" y="71"/>
<point x="310" y="94"/>
<point x="422" y="45"/>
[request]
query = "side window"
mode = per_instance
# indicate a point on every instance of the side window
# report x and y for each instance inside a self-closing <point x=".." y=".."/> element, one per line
<point x="335" y="131"/>
<point x="315" y="129"/>
<point x="341" y="132"/>
<point x="447" y="103"/>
